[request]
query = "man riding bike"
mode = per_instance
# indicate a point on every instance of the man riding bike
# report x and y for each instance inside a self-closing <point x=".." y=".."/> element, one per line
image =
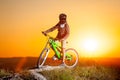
<point x="63" y="31"/>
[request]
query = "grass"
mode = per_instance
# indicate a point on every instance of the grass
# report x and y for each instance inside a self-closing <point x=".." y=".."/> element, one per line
<point x="23" y="75"/>
<point x="58" y="75"/>
<point x="4" y="73"/>
<point x="26" y="75"/>
<point x="88" y="69"/>
<point x="93" y="72"/>
<point x="83" y="73"/>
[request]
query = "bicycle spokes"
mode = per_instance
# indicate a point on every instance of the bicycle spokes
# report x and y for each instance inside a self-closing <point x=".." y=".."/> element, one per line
<point x="71" y="58"/>
<point x="68" y="56"/>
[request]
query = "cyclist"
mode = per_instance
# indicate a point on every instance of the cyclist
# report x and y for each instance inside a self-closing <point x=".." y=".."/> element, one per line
<point x="63" y="31"/>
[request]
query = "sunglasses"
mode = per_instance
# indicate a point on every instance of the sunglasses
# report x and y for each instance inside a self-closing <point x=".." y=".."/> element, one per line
<point x="62" y="18"/>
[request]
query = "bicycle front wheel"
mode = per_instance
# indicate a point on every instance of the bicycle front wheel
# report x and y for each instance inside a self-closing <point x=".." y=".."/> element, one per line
<point x="71" y="58"/>
<point x="42" y="57"/>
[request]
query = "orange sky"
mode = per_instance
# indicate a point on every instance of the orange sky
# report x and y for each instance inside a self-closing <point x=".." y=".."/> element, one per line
<point x="21" y="23"/>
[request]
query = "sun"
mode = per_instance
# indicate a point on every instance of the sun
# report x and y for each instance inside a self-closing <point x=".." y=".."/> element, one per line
<point x="90" y="45"/>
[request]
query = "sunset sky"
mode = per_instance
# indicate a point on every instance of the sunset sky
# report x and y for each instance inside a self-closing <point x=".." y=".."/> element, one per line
<point x="94" y="26"/>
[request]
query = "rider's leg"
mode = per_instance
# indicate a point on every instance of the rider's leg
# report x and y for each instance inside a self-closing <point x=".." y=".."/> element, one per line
<point x="63" y="44"/>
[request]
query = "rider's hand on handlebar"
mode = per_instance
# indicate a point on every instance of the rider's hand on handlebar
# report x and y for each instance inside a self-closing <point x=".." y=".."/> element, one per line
<point x="44" y="33"/>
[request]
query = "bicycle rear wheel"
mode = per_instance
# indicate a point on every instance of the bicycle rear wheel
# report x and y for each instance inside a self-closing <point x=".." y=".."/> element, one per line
<point x="71" y="58"/>
<point x="42" y="57"/>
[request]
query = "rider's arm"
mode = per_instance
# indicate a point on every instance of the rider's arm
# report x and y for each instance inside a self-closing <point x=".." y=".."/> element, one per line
<point x="52" y="29"/>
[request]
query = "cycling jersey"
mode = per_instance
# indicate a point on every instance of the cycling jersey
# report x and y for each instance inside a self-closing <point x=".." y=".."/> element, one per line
<point x="63" y="30"/>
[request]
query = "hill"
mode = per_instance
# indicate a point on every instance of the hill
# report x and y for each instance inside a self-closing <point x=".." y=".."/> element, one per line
<point x="19" y="63"/>
<point x="87" y="69"/>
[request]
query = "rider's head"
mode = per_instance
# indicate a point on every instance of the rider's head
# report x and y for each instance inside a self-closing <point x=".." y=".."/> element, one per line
<point x="62" y="18"/>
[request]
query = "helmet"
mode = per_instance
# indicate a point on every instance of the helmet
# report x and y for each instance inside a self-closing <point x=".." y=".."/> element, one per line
<point x="62" y="16"/>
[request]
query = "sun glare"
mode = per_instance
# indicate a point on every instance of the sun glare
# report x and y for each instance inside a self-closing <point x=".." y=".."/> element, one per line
<point x="90" y="45"/>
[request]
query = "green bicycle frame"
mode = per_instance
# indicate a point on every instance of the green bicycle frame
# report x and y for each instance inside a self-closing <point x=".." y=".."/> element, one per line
<point x="55" y="46"/>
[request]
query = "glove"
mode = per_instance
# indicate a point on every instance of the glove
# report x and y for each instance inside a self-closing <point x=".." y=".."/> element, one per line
<point x="43" y="32"/>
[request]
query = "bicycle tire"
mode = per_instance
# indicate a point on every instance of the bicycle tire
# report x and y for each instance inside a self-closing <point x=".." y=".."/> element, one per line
<point x="75" y="53"/>
<point x="42" y="57"/>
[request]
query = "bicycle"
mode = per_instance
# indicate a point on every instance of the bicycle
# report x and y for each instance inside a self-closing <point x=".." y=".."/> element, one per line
<point x="70" y="58"/>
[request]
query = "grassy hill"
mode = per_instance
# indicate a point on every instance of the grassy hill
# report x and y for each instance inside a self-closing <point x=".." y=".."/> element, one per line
<point x="87" y="69"/>
<point x="19" y="63"/>
<point x="83" y="73"/>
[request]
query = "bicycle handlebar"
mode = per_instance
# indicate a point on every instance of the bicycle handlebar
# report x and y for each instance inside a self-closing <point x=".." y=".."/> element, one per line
<point x="50" y="36"/>
<point x="47" y="35"/>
